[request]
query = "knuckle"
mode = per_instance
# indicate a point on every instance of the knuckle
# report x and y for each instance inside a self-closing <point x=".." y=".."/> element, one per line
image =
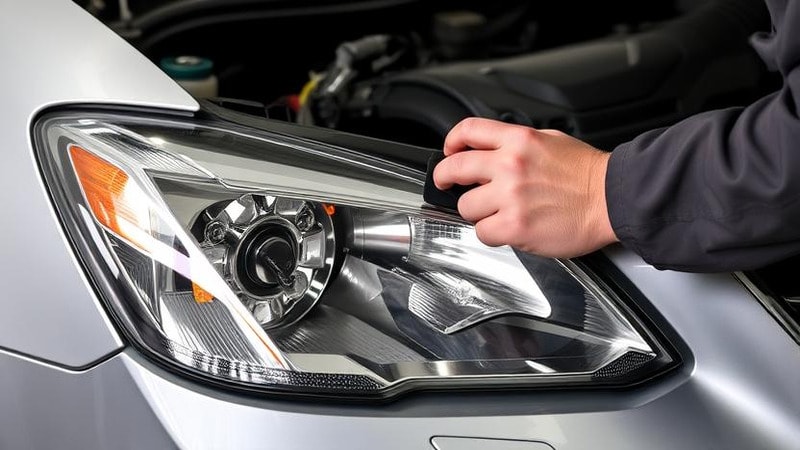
<point x="527" y="135"/>
<point x="518" y="223"/>
<point x="516" y="193"/>
<point x="515" y="162"/>
<point x="523" y="197"/>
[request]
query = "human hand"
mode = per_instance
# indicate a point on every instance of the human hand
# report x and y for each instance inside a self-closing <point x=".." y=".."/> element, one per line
<point x="541" y="191"/>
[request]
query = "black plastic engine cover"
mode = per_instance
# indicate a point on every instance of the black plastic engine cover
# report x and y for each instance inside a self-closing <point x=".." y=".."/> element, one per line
<point x="604" y="91"/>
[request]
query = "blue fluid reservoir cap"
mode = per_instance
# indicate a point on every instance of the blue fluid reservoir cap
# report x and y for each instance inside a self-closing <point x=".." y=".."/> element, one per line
<point x="187" y="67"/>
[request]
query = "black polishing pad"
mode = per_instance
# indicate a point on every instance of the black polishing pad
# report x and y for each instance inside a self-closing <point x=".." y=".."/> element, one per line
<point x="448" y="198"/>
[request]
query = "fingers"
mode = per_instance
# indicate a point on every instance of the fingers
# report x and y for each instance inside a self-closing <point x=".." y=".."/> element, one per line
<point x="477" y="133"/>
<point x="464" y="168"/>
<point x="478" y="203"/>
<point x="541" y="191"/>
<point x="492" y="230"/>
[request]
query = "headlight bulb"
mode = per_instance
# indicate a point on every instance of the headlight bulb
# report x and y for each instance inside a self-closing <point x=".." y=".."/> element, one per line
<point x="272" y="259"/>
<point x="275" y="252"/>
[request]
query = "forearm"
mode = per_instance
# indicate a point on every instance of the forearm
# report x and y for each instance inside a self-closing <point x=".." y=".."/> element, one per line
<point x="717" y="192"/>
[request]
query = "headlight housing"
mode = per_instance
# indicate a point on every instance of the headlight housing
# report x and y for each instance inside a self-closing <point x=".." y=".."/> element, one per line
<point x="289" y="265"/>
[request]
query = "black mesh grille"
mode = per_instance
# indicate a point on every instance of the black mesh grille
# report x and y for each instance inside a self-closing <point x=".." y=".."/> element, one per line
<point x="623" y="365"/>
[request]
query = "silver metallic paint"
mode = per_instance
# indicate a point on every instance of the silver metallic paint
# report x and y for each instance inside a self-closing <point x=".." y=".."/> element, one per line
<point x="44" y="407"/>
<point x="745" y="365"/>
<point x="53" y="52"/>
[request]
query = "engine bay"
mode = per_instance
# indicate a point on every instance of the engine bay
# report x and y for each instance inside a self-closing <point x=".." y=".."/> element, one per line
<point x="407" y="71"/>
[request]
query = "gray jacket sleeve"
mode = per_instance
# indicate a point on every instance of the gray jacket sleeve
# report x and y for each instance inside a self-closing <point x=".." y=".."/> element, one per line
<point x="719" y="191"/>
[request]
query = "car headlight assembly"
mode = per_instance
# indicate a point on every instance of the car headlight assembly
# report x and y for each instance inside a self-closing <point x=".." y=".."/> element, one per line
<point x="288" y="265"/>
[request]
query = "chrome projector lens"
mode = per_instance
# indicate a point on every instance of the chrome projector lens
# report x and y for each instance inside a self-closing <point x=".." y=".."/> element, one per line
<point x="275" y="253"/>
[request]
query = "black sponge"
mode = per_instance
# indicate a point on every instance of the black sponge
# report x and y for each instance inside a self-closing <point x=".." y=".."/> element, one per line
<point x="448" y="198"/>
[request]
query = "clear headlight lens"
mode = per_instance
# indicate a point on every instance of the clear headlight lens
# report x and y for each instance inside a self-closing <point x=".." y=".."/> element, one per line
<point x="291" y="265"/>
